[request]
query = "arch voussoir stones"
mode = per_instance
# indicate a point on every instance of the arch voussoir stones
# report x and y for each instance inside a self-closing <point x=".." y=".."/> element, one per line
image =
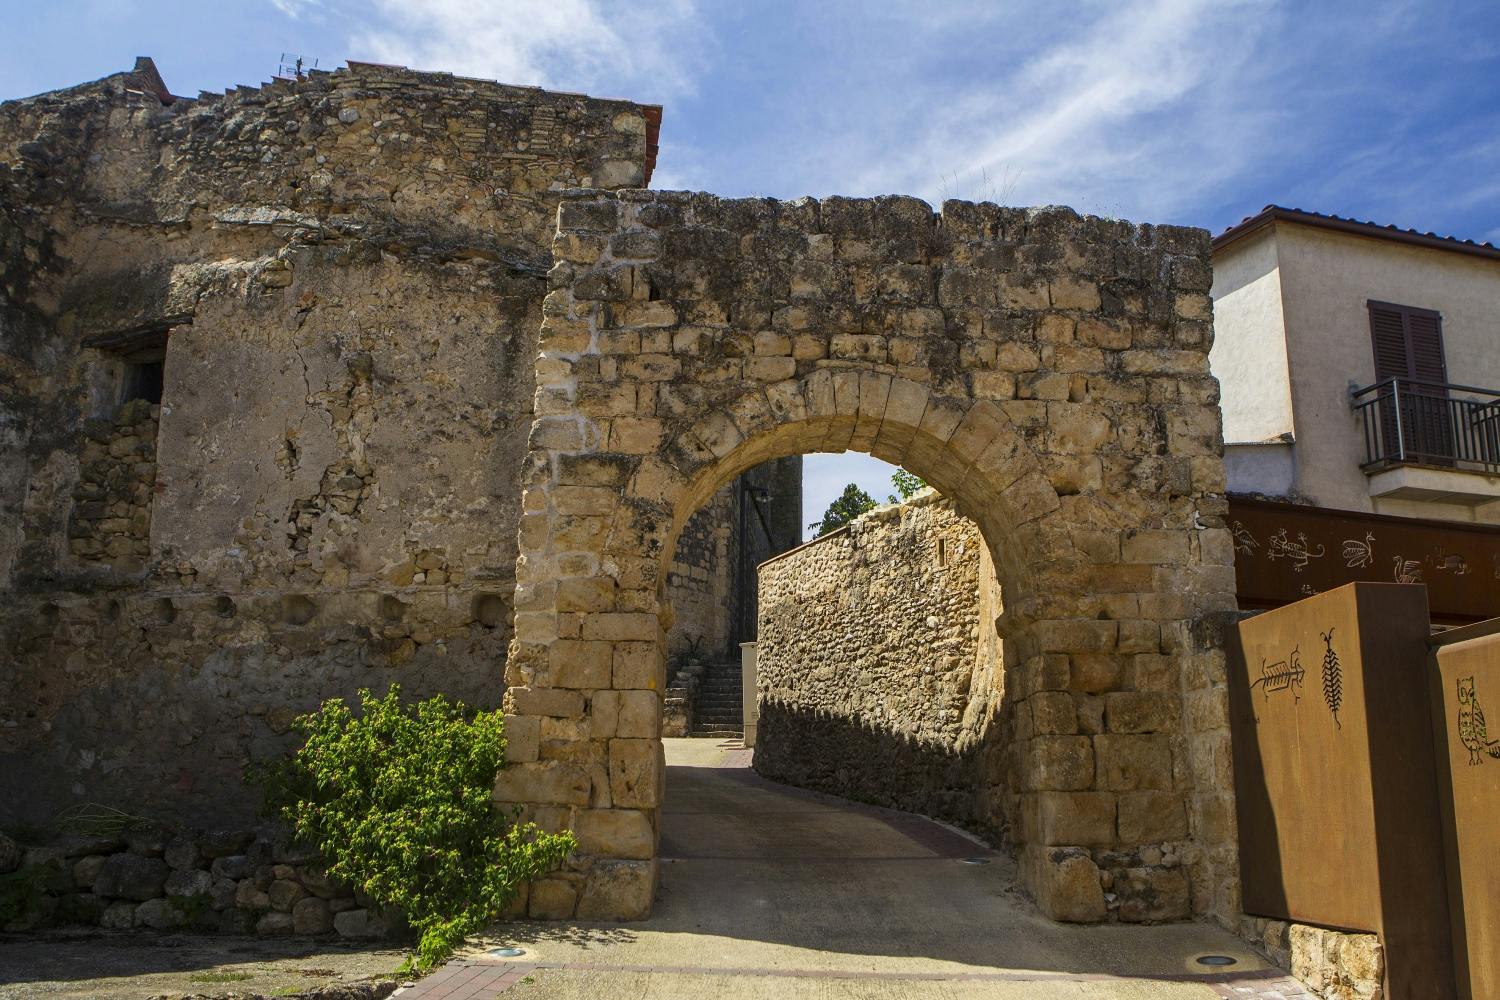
<point x="1021" y="361"/>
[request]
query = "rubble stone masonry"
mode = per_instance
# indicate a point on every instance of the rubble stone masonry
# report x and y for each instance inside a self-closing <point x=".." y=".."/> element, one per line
<point x="878" y="665"/>
<point x="342" y="277"/>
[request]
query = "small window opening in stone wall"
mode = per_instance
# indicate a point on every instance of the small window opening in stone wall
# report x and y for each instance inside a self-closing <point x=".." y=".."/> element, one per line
<point x="143" y="380"/>
<point x="942" y="552"/>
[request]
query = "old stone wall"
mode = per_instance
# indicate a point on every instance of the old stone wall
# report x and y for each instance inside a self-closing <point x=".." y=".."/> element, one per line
<point x="877" y="666"/>
<point x="225" y="881"/>
<point x="1046" y="372"/>
<point x="117" y="478"/>
<point x="711" y="580"/>
<point x="342" y="277"/>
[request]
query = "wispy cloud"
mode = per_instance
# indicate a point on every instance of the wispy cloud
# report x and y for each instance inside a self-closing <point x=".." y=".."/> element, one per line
<point x="1138" y="111"/>
<point x="640" y="50"/>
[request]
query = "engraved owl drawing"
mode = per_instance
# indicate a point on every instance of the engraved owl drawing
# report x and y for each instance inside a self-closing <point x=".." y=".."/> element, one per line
<point x="1471" y="728"/>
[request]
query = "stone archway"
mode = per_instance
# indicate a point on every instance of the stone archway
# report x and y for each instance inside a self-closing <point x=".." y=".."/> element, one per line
<point x="1047" y="372"/>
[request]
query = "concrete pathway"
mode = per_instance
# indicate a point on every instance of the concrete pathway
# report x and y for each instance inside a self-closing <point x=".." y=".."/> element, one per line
<point x="769" y="891"/>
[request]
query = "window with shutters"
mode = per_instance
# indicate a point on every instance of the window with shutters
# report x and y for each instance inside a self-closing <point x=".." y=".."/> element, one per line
<point x="1416" y="420"/>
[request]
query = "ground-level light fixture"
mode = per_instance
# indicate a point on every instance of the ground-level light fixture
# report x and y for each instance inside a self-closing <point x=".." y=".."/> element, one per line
<point x="1216" y="960"/>
<point x="510" y="951"/>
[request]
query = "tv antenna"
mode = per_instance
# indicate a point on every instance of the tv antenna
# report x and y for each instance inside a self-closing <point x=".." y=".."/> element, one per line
<point x="294" y="66"/>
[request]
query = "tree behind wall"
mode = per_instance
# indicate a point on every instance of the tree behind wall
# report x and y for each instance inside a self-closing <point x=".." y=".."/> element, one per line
<point x="849" y="505"/>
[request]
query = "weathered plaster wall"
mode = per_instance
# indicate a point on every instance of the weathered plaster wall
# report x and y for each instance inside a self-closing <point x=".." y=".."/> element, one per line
<point x="878" y="666"/>
<point x="347" y="272"/>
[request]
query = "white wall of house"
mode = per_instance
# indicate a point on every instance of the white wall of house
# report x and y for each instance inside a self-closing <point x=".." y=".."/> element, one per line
<point x="1250" y="352"/>
<point x="1320" y="325"/>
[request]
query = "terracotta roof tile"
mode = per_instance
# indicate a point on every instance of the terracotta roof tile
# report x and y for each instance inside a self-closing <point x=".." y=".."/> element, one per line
<point x="1277" y="213"/>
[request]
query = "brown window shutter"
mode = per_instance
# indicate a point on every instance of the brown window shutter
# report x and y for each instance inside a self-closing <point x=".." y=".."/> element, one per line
<point x="1408" y="345"/>
<point x="1388" y="334"/>
<point x="1424" y="337"/>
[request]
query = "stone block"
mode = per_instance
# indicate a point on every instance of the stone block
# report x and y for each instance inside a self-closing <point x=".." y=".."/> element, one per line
<point x="182" y="852"/>
<point x="189" y="882"/>
<point x="1069" y="818"/>
<point x="275" y="924"/>
<point x="285" y="894"/>
<point x="552" y="899"/>
<point x="131" y="876"/>
<point x="638" y="665"/>
<point x="585" y="664"/>
<point x="620" y="626"/>
<point x="1066" y="884"/>
<point x="1151" y="895"/>
<point x="615" y="833"/>
<point x="1155" y="546"/>
<point x="547" y="782"/>
<point x="86" y="871"/>
<point x="1151" y="817"/>
<point x="555" y="702"/>
<point x="1142" y="712"/>
<point x="1060" y="763"/>
<point x="312" y="916"/>
<point x="1053" y="712"/>
<point x="522" y="737"/>
<point x="360" y="924"/>
<point x="636" y="770"/>
<point x="1130" y="762"/>
<point x="640" y="715"/>
<point x="618" y="890"/>
<point x="118" y="916"/>
<point x="158" y="914"/>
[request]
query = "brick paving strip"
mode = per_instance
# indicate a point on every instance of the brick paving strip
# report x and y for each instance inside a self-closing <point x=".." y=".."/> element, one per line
<point x="481" y="979"/>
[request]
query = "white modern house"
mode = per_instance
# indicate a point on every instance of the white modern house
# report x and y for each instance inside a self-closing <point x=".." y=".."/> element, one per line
<point x="1359" y="366"/>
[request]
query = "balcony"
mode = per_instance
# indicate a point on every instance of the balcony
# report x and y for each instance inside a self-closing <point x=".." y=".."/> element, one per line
<point x="1430" y="441"/>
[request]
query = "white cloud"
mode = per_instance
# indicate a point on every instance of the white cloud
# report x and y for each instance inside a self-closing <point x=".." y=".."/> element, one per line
<point x="642" y="50"/>
<point x="294" y="9"/>
<point x="1140" y="111"/>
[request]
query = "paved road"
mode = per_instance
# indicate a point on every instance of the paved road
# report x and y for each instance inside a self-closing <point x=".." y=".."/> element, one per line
<point x="769" y="891"/>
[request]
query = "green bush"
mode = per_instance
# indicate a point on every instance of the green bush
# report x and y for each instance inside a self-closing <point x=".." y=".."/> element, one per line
<point x="398" y="801"/>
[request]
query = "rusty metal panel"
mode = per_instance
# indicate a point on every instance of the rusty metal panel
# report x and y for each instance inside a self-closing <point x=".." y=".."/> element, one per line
<point x="1334" y="774"/>
<point x="1466" y="674"/>
<point x="1284" y="552"/>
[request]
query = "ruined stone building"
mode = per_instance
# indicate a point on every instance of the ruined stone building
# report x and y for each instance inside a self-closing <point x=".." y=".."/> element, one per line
<point x="381" y="376"/>
<point x="266" y="378"/>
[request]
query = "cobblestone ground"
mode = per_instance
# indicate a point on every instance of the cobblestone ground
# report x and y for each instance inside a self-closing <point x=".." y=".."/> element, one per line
<point x="769" y="891"/>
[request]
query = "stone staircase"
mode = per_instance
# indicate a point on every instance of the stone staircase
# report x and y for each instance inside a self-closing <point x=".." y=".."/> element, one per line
<point x="718" y="710"/>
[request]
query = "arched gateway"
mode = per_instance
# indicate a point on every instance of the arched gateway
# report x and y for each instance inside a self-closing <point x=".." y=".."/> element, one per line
<point x="1047" y="372"/>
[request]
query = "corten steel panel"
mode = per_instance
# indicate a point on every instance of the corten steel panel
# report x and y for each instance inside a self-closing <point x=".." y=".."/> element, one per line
<point x="1284" y="552"/>
<point x="1466" y="675"/>
<point x="1334" y="775"/>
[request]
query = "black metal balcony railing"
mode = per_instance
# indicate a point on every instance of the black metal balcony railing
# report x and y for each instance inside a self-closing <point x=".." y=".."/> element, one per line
<point x="1407" y="422"/>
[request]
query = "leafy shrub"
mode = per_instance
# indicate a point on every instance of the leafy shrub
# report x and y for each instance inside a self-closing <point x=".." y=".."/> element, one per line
<point x="398" y="801"/>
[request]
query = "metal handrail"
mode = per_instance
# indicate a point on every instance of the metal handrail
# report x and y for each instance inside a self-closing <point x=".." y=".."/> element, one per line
<point x="1416" y="422"/>
<point x="1450" y="386"/>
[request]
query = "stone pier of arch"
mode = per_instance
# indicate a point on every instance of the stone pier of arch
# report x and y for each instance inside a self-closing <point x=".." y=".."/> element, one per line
<point x="1047" y="372"/>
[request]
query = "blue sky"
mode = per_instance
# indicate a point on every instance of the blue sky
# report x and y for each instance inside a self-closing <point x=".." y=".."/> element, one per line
<point x="1196" y="112"/>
